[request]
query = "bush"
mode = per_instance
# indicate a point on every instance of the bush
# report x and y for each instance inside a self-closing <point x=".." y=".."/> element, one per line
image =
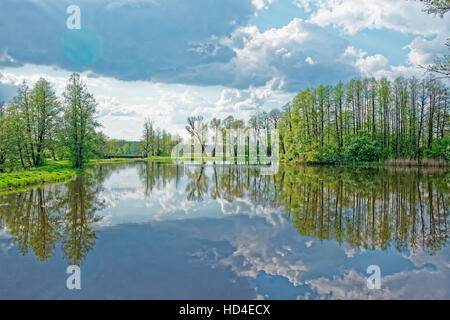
<point x="440" y="148"/>
<point x="360" y="148"/>
<point x="329" y="154"/>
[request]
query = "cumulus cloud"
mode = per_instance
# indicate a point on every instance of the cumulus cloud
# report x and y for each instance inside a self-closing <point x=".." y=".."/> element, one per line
<point x="355" y="15"/>
<point x="304" y="4"/>
<point x="424" y="52"/>
<point x="196" y="42"/>
<point x="423" y="282"/>
<point x="203" y="57"/>
<point x="168" y="105"/>
<point x="283" y="53"/>
<point x="237" y="101"/>
<point x="5" y="57"/>
<point x="377" y="65"/>
<point x="261" y="4"/>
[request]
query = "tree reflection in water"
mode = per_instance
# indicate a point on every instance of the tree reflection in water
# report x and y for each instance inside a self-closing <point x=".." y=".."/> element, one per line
<point x="370" y="208"/>
<point x="39" y="218"/>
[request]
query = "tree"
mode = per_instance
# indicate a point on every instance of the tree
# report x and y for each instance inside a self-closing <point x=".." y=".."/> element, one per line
<point x="45" y="109"/>
<point x="23" y="103"/>
<point x="198" y="130"/>
<point x="214" y="125"/>
<point x="36" y="116"/>
<point x="12" y="135"/>
<point x="147" y="138"/>
<point x="441" y="64"/>
<point x="437" y="7"/>
<point x="2" y="133"/>
<point x="79" y="123"/>
<point x="274" y="116"/>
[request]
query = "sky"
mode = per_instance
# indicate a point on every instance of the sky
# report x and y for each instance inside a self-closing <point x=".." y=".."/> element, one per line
<point x="169" y="59"/>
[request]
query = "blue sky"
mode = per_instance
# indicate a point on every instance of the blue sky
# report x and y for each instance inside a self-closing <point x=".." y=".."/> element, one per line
<point x="168" y="59"/>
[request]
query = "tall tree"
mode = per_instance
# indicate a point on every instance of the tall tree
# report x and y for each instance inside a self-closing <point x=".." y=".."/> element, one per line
<point x="79" y="121"/>
<point x="45" y="109"/>
<point x="198" y="130"/>
<point x="147" y="138"/>
<point x="214" y="125"/>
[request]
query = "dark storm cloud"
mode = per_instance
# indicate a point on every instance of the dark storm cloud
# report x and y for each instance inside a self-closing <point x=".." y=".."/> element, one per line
<point x="141" y="40"/>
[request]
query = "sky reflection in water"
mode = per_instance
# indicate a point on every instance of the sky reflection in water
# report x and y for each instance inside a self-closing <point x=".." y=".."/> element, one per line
<point x="161" y="231"/>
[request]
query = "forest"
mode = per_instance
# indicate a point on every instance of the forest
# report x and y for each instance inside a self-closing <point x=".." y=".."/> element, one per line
<point x="364" y="120"/>
<point x="368" y="120"/>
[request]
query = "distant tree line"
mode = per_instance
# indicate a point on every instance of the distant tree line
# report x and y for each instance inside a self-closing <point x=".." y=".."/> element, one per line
<point x="121" y="147"/>
<point x="230" y="132"/>
<point x="156" y="142"/>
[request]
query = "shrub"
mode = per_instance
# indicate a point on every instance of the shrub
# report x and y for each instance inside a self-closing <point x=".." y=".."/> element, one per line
<point x="329" y="154"/>
<point x="360" y="148"/>
<point x="440" y="148"/>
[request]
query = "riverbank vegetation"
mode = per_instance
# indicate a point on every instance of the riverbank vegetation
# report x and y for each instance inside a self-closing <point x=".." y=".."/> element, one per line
<point x="38" y="125"/>
<point x="54" y="172"/>
<point x="368" y="120"/>
<point x="399" y="122"/>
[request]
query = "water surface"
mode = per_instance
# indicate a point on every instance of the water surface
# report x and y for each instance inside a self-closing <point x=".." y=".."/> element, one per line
<point x="148" y="230"/>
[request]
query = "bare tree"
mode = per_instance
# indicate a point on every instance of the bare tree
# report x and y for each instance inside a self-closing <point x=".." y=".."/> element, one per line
<point x="198" y="130"/>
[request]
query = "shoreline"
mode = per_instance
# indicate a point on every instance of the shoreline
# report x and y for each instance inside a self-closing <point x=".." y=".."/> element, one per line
<point x="61" y="171"/>
<point x="47" y="174"/>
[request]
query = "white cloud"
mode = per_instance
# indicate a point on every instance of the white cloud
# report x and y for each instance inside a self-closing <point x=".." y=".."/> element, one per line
<point x="4" y="57"/>
<point x="309" y="60"/>
<point x="355" y="15"/>
<point x="424" y="52"/>
<point x="426" y="281"/>
<point x="168" y="105"/>
<point x="286" y="53"/>
<point x="377" y="65"/>
<point x="261" y="4"/>
<point x="304" y="4"/>
<point x="243" y="102"/>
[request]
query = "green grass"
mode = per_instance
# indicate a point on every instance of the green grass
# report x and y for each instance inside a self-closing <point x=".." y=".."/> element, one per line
<point x="52" y="172"/>
<point x="115" y="160"/>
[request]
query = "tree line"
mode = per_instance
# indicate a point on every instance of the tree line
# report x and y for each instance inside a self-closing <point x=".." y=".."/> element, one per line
<point x="156" y="142"/>
<point x="362" y="120"/>
<point x="367" y="120"/>
<point x="230" y="132"/>
<point x="37" y="125"/>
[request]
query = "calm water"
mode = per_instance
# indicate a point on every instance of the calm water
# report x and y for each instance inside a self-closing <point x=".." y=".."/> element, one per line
<point x="162" y="231"/>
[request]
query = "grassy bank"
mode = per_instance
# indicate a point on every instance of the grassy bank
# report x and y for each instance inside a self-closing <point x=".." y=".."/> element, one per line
<point x="120" y="160"/>
<point x="56" y="171"/>
<point x="53" y="172"/>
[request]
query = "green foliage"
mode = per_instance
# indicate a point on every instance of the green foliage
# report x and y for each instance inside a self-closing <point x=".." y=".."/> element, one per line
<point x="44" y="174"/>
<point x="154" y="142"/>
<point x="437" y="7"/>
<point x="361" y="148"/>
<point x="440" y="148"/>
<point x="78" y="123"/>
<point x="329" y="153"/>
<point x="366" y="120"/>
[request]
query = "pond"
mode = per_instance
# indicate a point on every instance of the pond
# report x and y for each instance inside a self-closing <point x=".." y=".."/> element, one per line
<point x="149" y="230"/>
